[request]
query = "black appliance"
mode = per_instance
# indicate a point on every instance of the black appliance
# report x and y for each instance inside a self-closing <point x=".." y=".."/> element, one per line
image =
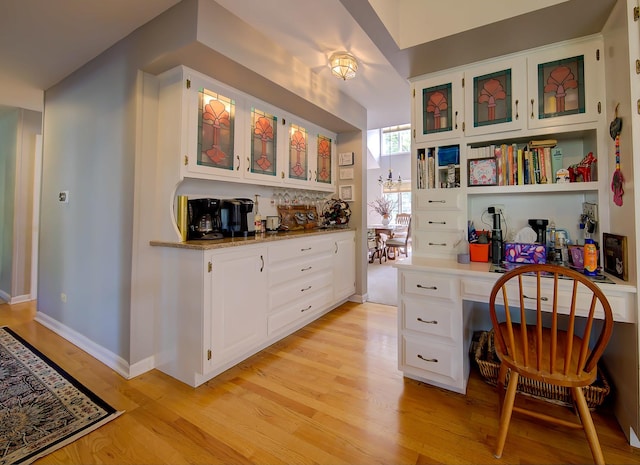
<point x="497" y="244"/>
<point x="237" y="217"/>
<point x="540" y="227"/>
<point x="203" y="220"/>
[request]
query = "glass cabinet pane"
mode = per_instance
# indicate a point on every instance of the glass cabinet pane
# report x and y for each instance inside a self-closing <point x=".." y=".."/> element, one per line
<point x="298" y="157"/>
<point x="436" y="108"/>
<point x="492" y="98"/>
<point x="263" y="143"/>
<point x="216" y="123"/>
<point x="324" y="160"/>
<point x="561" y="87"/>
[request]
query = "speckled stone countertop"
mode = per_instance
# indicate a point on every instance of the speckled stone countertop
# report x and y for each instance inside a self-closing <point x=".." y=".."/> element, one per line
<point x="238" y="241"/>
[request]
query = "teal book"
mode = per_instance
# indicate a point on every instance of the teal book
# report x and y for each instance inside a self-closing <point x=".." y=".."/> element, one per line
<point x="556" y="162"/>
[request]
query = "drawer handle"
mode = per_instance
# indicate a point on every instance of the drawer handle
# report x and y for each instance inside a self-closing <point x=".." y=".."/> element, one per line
<point x="431" y="288"/>
<point x="304" y="250"/>
<point x="437" y="222"/>
<point x="440" y="244"/>
<point x="305" y="309"/>
<point x="437" y="201"/>
<point x="544" y="299"/>
<point x="429" y="322"/>
<point x="262" y="263"/>
<point x="532" y="103"/>
<point x="305" y="289"/>
<point x="433" y="360"/>
<point x="306" y="269"/>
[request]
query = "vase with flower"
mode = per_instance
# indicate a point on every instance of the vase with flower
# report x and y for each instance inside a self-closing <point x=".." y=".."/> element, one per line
<point x="383" y="207"/>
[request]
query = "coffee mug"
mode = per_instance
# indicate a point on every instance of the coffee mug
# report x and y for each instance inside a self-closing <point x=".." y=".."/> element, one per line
<point x="273" y="222"/>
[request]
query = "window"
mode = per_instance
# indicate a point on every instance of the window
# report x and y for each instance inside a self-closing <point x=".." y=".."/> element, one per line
<point x="396" y="140"/>
<point x="401" y="198"/>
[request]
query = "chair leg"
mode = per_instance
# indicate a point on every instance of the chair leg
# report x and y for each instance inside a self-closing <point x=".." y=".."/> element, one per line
<point x="502" y="376"/>
<point x="505" y="416"/>
<point x="587" y="425"/>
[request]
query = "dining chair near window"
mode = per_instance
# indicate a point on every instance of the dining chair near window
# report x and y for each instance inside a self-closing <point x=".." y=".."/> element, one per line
<point x="549" y="354"/>
<point x="402" y="225"/>
<point x="397" y="245"/>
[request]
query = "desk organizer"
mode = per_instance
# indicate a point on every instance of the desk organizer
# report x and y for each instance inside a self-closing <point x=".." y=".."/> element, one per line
<point x="479" y="252"/>
<point x="489" y="365"/>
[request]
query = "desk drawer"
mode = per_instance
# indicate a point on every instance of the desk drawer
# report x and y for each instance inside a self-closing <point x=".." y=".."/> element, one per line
<point x="437" y="358"/>
<point x="429" y="285"/>
<point x="436" y="242"/>
<point x="431" y="317"/>
<point x="439" y="199"/>
<point x="439" y="221"/>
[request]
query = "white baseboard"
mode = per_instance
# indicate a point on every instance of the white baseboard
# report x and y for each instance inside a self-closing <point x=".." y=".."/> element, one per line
<point x="358" y="298"/>
<point x="16" y="299"/>
<point x="5" y="296"/>
<point x="113" y="361"/>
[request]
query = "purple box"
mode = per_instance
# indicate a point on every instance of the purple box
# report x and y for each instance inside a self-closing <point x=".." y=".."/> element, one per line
<point x="515" y="252"/>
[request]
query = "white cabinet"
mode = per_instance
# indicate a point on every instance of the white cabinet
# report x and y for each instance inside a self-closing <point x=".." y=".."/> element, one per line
<point x="431" y="329"/>
<point x="344" y="266"/>
<point x="237" y="283"/>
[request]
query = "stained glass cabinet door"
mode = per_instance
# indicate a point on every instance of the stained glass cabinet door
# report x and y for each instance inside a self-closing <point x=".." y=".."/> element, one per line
<point x="495" y="97"/>
<point x="266" y="138"/>
<point x="438" y="107"/>
<point x="564" y="83"/>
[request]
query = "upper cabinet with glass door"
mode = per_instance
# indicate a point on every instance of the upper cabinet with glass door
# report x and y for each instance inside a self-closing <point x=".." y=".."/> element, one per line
<point x="264" y="160"/>
<point x="438" y="107"/>
<point x="495" y="97"/>
<point x="323" y="172"/>
<point x="565" y="83"/>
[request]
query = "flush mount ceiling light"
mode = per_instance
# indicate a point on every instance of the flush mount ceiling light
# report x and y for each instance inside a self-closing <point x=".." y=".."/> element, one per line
<point x="343" y="65"/>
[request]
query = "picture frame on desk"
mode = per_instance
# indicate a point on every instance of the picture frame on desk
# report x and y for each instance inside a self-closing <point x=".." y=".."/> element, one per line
<point x="482" y="172"/>
<point x="615" y="255"/>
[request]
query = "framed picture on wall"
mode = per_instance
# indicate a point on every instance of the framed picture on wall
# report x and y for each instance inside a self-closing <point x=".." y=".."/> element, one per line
<point x="346" y="192"/>
<point x="615" y="255"/>
<point x="482" y="172"/>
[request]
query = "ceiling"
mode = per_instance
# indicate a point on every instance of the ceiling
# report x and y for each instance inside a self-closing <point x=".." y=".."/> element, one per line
<point x="43" y="41"/>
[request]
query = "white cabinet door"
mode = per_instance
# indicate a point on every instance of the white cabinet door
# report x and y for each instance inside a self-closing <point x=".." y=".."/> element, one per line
<point x="344" y="266"/>
<point x="237" y="302"/>
<point x="438" y="107"/>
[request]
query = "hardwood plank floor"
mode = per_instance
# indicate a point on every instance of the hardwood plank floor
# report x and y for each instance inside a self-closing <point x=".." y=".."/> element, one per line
<point x="330" y="393"/>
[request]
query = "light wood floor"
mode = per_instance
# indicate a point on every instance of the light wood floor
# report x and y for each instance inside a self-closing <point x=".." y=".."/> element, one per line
<point x="329" y="394"/>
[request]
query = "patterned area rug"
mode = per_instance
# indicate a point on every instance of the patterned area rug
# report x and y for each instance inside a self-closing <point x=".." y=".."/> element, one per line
<point x="42" y="408"/>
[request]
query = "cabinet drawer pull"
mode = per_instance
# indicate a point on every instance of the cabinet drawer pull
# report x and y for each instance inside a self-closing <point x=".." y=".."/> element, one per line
<point x="304" y="250"/>
<point x="306" y="269"/>
<point x="429" y="322"/>
<point x="238" y="167"/>
<point x="248" y="164"/>
<point x="437" y="201"/>
<point x="305" y="309"/>
<point x="532" y="103"/>
<point x="442" y="244"/>
<point x="517" y="116"/>
<point x="433" y="360"/>
<point x="305" y="289"/>
<point x="544" y="299"/>
<point x="431" y="288"/>
<point x="262" y="263"/>
<point x="437" y="222"/>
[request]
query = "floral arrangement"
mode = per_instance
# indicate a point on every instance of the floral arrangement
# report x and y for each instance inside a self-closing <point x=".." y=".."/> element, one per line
<point x="382" y="206"/>
<point x="336" y="212"/>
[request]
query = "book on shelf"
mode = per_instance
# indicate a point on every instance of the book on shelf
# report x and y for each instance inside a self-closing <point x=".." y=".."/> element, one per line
<point x="542" y="143"/>
<point x="510" y="165"/>
<point x="548" y="168"/>
<point x="556" y="162"/>
<point x="497" y="153"/>
<point x="520" y="166"/>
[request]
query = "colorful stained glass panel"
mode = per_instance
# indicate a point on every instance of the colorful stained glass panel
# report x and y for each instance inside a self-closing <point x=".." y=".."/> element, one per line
<point x="298" y="155"/>
<point x="492" y="98"/>
<point x="263" y="142"/>
<point x="436" y="109"/>
<point x="561" y="87"/>
<point x="216" y="122"/>
<point x="324" y="159"/>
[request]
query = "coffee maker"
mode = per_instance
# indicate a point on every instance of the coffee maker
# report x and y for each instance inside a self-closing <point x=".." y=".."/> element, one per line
<point x="203" y="219"/>
<point x="237" y="217"/>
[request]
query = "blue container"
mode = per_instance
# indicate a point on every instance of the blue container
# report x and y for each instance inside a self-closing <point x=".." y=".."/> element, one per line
<point x="449" y="155"/>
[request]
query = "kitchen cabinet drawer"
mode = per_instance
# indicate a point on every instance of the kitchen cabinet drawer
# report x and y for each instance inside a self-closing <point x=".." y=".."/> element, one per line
<point x="436" y="242"/>
<point x="296" y="248"/>
<point x="431" y="317"/>
<point x="439" y="199"/>
<point x="429" y="285"/>
<point x="300" y="309"/>
<point x="295" y="269"/>
<point x="438" y="221"/>
<point x="432" y="358"/>
<point x="299" y="289"/>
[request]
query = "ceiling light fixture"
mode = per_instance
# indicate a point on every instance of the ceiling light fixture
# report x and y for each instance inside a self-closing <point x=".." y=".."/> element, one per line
<point x="389" y="183"/>
<point x="343" y="65"/>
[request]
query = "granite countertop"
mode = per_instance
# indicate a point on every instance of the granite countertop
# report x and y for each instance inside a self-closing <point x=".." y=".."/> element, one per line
<point x="239" y="241"/>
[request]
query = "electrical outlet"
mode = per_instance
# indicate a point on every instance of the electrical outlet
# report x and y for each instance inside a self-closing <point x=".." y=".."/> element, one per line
<point x="590" y="210"/>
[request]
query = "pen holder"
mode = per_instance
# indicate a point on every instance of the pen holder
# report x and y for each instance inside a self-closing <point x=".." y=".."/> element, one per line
<point x="479" y="252"/>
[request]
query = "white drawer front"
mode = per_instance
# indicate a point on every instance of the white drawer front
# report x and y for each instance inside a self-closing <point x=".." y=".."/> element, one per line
<point x="296" y="269"/>
<point x="435" y="242"/>
<point x="298" y="310"/>
<point x="438" y="221"/>
<point x="430" y="285"/>
<point x="290" y="292"/>
<point x="441" y="359"/>
<point x="431" y="317"/>
<point x="439" y="199"/>
<point x="294" y="248"/>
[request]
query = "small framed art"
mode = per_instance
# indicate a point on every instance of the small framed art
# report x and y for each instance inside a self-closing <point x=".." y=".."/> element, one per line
<point x="482" y="172"/>
<point x="345" y="159"/>
<point x="346" y="192"/>
<point x="615" y="255"/>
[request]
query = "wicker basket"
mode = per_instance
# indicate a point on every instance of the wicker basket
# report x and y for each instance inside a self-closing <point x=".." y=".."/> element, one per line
<point x="489" y="365"/>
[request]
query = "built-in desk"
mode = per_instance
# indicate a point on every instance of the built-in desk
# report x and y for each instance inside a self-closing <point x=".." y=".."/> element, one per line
<point x="436" y="302"/>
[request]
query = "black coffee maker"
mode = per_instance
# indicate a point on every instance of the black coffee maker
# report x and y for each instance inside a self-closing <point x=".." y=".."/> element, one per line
<point x="237" y="217"/>
<point x="203" y="219"/>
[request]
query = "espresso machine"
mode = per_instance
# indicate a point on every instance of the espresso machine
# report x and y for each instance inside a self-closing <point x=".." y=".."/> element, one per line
<point x="203" y="219"/>
<point x="237" y="217"/>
